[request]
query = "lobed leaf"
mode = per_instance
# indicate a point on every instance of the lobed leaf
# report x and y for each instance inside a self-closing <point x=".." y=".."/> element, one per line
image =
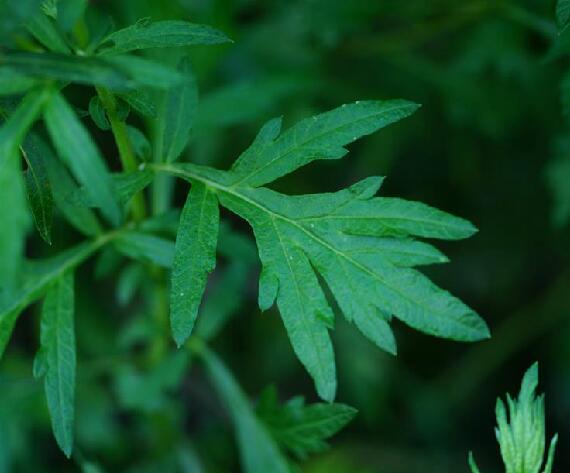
<point x="194" y="259"/>
<point x="300" y="428"/>
<point x="320" y="137"/>
<point x="161" y="34"/>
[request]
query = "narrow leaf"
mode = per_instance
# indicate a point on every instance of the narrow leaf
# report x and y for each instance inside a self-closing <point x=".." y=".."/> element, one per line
<point x="15" y="128"/>
<point x="162" y="34"/>
<point x="194" y="259"/>
<point x="66" y="193"/>
<point x="13" y="82"/>
<point x="46" y="31"/>
<point x="58" y="345"/>
<point x="77" y="149"/>
<point x="147" y="248"/>
<point x="179" y="113"/>
<point x="39" y="190"/>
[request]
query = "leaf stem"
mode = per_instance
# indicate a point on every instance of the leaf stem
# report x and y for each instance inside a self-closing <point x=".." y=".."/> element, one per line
<point x="126" y="154"/>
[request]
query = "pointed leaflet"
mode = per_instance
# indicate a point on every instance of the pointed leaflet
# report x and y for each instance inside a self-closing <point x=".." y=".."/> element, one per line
<point x="77" y="149"/>
<point x="362" y="246"/>
<point x="162" y="34"/>
<point x="302" y="429"/>
<point x="258" y="452"/>
<point x="194" y="258"/>
<point x="38" y="188"/>
<point x="320" y="137"/>
<point x="58" y="353"/>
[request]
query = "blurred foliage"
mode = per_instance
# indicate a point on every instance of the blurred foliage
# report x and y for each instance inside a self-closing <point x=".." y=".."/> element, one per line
<point x="489" y="143"/>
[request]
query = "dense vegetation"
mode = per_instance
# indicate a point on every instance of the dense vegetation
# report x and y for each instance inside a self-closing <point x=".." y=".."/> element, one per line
<point x="202" y="269"/>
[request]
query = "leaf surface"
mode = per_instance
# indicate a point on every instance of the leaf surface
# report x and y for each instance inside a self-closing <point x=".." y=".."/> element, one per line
<point x="77" y="149"/>
<point x="162" y="34"/>
<point x="39" y="190"/>
<point x="58" y="351"/>
<point x="194" y="259"/>
<point x="300" y="428"/>
<point x="362" y="246"/>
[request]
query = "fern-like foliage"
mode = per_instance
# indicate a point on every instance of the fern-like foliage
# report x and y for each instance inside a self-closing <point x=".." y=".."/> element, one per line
<point x="362" y="246"/>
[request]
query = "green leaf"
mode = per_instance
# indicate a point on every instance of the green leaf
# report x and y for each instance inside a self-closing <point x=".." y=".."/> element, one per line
<point x="144" y="72"/>
<point x="472" y="464"/>
<point x="46" y="31"/>
<point x="146" y="248"/>
<point x="562" y="14"/>
<point x="258" y="451"/>
<point x="194" y="259"/>
<point x="66" y="193"/>
<point x="39" y="189"/>
<point x="300" y="428"/>
<point x="162" y="34"/>
<point x="521" y="433"/>
<point x="362" y="246"/>
<point x="557" y="175"/>
<point x="179" y="113"/>
<point x="82" y="70"/>
<point x="14" y="226"/>
<point x="98" y="115"/>
<point x="320" y="137"/>
<point x="141" y="102"/>
<point x="45" y="272"/>
<point x="14" y="12"/>
<point x="128" y="283"/>
<point x="147" y="391"/>
<point x="77" y="149"/>
<point x="58" y="347"/>
<point x="118" y="72"/>
<point x="128" y="184"/>
<point x="14" y="83"/>
<point x="141" y="146"/>
<point x="16" y="127"/>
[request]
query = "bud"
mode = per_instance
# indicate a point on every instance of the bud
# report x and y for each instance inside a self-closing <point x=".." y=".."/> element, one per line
<point x="523" y="440"/>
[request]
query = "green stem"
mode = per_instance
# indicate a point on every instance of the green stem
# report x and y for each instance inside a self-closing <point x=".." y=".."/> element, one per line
<point x="126" y="154"/>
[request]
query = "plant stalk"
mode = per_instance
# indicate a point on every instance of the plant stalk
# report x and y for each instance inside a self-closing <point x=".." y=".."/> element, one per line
<point x="126" y="154"/>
